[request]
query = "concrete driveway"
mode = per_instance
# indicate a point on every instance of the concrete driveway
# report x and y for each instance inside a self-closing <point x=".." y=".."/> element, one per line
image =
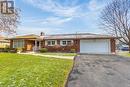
<point x="100" y="71"/>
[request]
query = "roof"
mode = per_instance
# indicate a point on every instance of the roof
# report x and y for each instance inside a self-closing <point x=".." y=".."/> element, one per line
<point x="30" y="36"/>
<point x="64" y="36"/>
<point x="2" y="39"/>
<point x="77" y="36"/>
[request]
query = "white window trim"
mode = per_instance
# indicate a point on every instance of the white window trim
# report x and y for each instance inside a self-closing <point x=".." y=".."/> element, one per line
<point x="66" y="41"/>
<point x="46" y="43"/>
<point x="16" y="43"/>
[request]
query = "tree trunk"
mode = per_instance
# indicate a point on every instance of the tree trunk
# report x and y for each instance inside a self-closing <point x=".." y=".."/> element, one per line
<point x="129" y="47"/>
<point x="129" y="40"/>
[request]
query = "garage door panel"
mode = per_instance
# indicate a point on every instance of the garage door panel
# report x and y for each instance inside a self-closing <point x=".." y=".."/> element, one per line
<point x="94" y="46"/>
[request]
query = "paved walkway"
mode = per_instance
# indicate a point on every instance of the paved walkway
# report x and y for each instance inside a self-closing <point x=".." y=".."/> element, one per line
<point x="54" y="56"/>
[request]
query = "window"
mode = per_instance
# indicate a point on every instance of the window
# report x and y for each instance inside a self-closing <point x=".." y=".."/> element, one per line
<point x="66" y="42"/>
<point x="63" y="42"/>
<point x="18" y="43"/>
<point x="51" y="42"/>
<point x="69" y="42"/>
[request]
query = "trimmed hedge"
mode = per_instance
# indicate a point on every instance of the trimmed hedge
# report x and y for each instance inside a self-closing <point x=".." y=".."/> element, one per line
<point x="11" y="50"/>
<point x="43" y="50"/>
<point x="73" y="51"/>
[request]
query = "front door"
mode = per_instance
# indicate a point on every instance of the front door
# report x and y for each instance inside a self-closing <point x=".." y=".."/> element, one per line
<point x="30" y="45"/>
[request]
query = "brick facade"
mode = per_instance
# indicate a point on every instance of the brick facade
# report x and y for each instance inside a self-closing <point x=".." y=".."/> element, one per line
<point x="113" y="45"/>
<point x="59" y="48"/>
<point x="11" y="43"/>
<point x="30" y="42"/>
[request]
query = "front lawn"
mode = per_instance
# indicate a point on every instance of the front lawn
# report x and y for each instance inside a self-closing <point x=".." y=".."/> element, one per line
<point x="60" y="54"/>
<point x="32" y="71"/>
<point x="126" y="54"/>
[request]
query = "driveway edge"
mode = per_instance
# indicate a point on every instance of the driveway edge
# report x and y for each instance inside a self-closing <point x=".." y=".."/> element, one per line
<point x="66" y="83"/>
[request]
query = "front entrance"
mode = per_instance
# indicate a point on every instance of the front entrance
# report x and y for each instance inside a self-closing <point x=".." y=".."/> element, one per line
<point x="33" y="45"/>
<point x="30" y="45"/>
<point x="37" y="45"/>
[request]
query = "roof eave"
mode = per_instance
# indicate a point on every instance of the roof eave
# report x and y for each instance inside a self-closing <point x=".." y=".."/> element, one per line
<point x="80" y="38"/>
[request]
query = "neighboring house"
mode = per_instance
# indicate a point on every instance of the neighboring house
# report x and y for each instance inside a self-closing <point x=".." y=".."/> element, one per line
<point x="81" y="42"/>
<point x="4" y="43"/>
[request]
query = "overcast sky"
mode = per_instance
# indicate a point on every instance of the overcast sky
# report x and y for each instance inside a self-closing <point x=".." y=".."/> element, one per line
<point x="59" y="16"/>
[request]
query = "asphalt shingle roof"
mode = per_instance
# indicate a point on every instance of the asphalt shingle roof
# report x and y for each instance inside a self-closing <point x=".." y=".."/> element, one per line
<point x="30" y="36"/>
<point x="2" y="39"/>
<point x="64" y="36"/>
<point x="77" y="36"/>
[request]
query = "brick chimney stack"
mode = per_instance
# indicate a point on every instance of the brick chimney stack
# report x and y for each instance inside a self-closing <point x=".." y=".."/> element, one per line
<point x="42" y="34"/>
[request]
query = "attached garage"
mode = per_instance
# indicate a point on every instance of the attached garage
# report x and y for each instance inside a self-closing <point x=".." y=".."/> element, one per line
<point x="95" y="46"/>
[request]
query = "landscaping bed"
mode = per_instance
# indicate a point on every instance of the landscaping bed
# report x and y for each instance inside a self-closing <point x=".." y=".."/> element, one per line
<point x="18" y="70"/>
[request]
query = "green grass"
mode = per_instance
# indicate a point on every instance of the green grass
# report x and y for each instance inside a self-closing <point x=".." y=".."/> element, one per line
<point x="32" y="71"/>
<point x="126" y="54"/>
<point x="60" y="54"/>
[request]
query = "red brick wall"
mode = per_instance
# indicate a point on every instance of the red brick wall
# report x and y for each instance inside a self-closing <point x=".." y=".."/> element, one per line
<point x="113" y="45"/>
<point x="25" y="44"/>
<point x="59" y="48"/>
<point x="11" y="43"/>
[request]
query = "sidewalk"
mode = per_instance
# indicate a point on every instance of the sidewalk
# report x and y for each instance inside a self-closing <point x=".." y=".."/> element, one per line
<point x="54" y="56"/>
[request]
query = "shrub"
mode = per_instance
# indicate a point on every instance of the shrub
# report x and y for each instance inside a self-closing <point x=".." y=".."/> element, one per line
<point x="19" y="49"/>
<point x="72" y="50"/>
<point x="43" y="50"/>
<point x="7" y="46"/>
<point x="1" y="49"/>
<point x="13" y="50"/>
<point x="6" y="49"/>
<point x="23" y="49"/>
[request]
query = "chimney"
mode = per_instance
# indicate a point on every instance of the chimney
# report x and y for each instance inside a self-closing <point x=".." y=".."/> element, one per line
<point x="42" y="34"/>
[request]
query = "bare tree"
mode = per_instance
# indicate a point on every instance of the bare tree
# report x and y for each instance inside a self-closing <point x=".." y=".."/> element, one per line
<point x="116" y="19"/>
<point x="9" y="22"/>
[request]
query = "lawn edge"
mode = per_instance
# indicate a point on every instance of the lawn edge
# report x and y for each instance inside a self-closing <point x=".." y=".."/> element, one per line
<point x="123" y="56"/>
<point x="59" y="57"/>
<point x="67" y="78"/>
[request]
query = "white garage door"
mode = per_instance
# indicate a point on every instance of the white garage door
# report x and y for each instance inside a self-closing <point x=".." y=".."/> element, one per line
<point x="96" y="46"/>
